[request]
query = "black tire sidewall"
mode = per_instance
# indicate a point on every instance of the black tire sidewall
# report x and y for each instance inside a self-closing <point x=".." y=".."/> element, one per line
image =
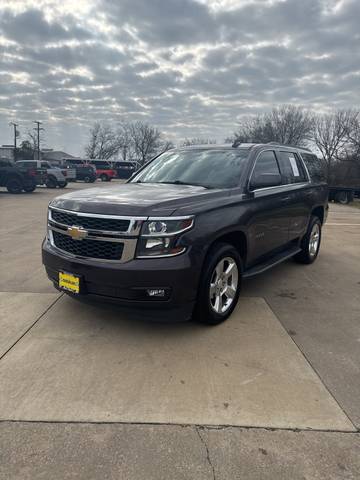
<point x="203" y="311"/>
<point x="11" y="183"/>
<point x="51" y="182"/>
<point x="103" y="177"/>
<point x="304" y="256"/>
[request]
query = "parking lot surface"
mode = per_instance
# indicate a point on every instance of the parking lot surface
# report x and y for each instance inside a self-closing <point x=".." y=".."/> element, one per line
<point x="86" y="391"/>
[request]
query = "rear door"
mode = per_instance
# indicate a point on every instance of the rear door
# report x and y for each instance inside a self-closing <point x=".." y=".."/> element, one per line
<point x="268" y="223"/>
<point x="298" y="192"/>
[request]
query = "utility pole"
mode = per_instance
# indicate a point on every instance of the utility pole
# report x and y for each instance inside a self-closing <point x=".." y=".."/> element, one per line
<point x="38" y="128"/>
<point x="15" y="125"/>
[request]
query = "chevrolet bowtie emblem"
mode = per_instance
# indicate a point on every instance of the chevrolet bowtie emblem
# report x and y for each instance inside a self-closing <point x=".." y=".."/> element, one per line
<point x="77" y="233"/>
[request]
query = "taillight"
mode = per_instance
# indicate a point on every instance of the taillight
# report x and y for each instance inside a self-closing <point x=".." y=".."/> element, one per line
<point x="64" y="173"/>
<point x="32" y="172"/>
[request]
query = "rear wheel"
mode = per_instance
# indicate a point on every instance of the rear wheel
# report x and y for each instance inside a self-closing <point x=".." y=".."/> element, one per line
<point x="87" y="179"/>
<point x="62" y="184"/>
<point x="104" y="177"/>
<point x="51" y="182"/>
<point x="310" y="244"/>
<point x="14" y="185"/>
<point x="220" y="284"/>
<point x="29" y="188"/>
<point x="342" y="197"/>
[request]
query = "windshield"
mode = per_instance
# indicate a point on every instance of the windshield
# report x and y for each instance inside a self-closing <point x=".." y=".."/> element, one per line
<point x="207" y="168"/>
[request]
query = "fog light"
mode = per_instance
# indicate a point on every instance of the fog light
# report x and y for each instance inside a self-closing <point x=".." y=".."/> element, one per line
<point x="156" y="292"/>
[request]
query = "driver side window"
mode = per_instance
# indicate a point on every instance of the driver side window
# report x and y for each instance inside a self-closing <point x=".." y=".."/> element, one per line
<point x="266" y="169"/>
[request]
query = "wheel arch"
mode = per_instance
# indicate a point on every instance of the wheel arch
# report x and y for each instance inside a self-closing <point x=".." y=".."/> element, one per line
<point x="236" y="238"/>
<point x="319" y="212"/>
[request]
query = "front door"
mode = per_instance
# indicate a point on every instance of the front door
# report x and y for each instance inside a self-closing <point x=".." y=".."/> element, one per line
<point x="268" y="222"/>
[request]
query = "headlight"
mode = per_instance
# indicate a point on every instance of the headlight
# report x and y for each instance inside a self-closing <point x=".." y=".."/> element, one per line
<point x="159" y="236"/>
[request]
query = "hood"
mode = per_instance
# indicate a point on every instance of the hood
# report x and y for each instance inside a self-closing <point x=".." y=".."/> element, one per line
<point x="137" y="199"/>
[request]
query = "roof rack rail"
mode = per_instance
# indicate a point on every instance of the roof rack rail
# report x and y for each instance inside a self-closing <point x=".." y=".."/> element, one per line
<point x="288" y="145"/>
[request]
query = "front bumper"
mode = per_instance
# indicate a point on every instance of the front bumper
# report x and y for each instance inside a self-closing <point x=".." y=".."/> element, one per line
<point x="126" y="283"/>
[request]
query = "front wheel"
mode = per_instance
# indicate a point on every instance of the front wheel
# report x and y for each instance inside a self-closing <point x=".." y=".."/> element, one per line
<point x="220" y="285"/>
<point x="310" y="244"/>
<point x="62" y="184"/>
<point x="104" y="177"/>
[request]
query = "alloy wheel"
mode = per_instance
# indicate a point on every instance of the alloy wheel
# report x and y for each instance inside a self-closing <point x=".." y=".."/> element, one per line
<point x="223" y="285"/>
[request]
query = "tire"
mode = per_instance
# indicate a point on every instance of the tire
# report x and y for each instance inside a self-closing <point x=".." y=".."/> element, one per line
<point x="310" y="244"/>
<point x="51" y="182"/>
<point x="104" y="177"/>
<point x="29" y="188"/>
<point x="87" y="179"/>
<point x="62" y="184"/>
<point x="14" y="185"/>
<point x="212" y="307"/>
<point x="342" y="197"/>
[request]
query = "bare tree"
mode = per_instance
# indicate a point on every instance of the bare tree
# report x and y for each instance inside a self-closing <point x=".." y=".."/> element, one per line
<point x="124" y="137"/>
<point x="287" y="124"/>
<point x="331" y="134"/>
<point x="354" y="133"/>
<point x="146" y="140"/>
<point x="103" y="142"/>
<point x="188" y="142"/>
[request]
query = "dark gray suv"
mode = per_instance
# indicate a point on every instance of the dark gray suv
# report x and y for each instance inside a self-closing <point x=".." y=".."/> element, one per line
<point x="177" y="239"/>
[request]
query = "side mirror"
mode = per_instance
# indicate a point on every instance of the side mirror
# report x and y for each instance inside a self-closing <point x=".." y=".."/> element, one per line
<point x="265" y="180"/>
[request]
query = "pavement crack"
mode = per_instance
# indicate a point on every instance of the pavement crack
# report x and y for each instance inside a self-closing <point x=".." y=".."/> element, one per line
<point x="203" y="441"/>
<point x="31" y="326"/>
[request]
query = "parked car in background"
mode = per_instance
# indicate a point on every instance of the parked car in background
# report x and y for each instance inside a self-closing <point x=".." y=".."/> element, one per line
<point x="125" y="169"/>
<point x="55" y="176"/>
<point x="86" y="173"/>
<point x="104" y="170"/>
<point x="177" y="240"/>
<point x="17" y="179"/>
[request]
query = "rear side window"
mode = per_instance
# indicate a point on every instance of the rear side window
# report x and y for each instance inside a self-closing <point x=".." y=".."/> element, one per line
<point x="292" y="168"/>
<point x="316" y="167"/>
<point x="266" y="164"/>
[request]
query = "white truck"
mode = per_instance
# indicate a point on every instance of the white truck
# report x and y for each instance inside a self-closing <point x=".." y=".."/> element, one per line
<point x="56" y="177"/>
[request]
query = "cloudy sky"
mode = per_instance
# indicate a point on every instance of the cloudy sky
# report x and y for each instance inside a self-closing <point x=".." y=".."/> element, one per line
<point x="190" y="67"/>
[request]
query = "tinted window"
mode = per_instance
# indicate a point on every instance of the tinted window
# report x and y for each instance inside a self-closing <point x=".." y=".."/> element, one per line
<point x="45" y="165"/>
<point x="266" y="164"/>
<point x="207" y="168"/>
<point x="292" y="168"/>
<point x="316" y="167"/>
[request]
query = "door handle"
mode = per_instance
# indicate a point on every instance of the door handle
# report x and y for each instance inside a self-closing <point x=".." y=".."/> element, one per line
<point x="285" y="199"/>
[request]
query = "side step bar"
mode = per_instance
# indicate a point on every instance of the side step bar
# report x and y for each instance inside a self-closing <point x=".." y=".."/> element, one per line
<point x="279" y="258"/>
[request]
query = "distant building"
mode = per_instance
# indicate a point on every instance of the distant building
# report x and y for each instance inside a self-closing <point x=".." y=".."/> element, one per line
<point x="7" y="151"/>
<point x="54" y="155"/>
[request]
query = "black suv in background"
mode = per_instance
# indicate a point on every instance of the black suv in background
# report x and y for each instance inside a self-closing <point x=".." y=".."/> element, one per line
<point x="17" y="179"/>
<point x="179" y="237"/>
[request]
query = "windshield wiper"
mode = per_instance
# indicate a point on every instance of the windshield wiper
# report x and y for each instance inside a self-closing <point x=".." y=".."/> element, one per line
<point x="179" y="182"/>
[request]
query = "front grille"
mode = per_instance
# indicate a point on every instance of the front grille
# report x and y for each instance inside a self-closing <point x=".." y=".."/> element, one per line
<point x="88" y="248"/>
<point x="90" y="223"/>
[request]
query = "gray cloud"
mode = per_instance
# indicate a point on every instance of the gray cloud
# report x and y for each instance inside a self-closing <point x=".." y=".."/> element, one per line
<point x="187" y="68"/>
